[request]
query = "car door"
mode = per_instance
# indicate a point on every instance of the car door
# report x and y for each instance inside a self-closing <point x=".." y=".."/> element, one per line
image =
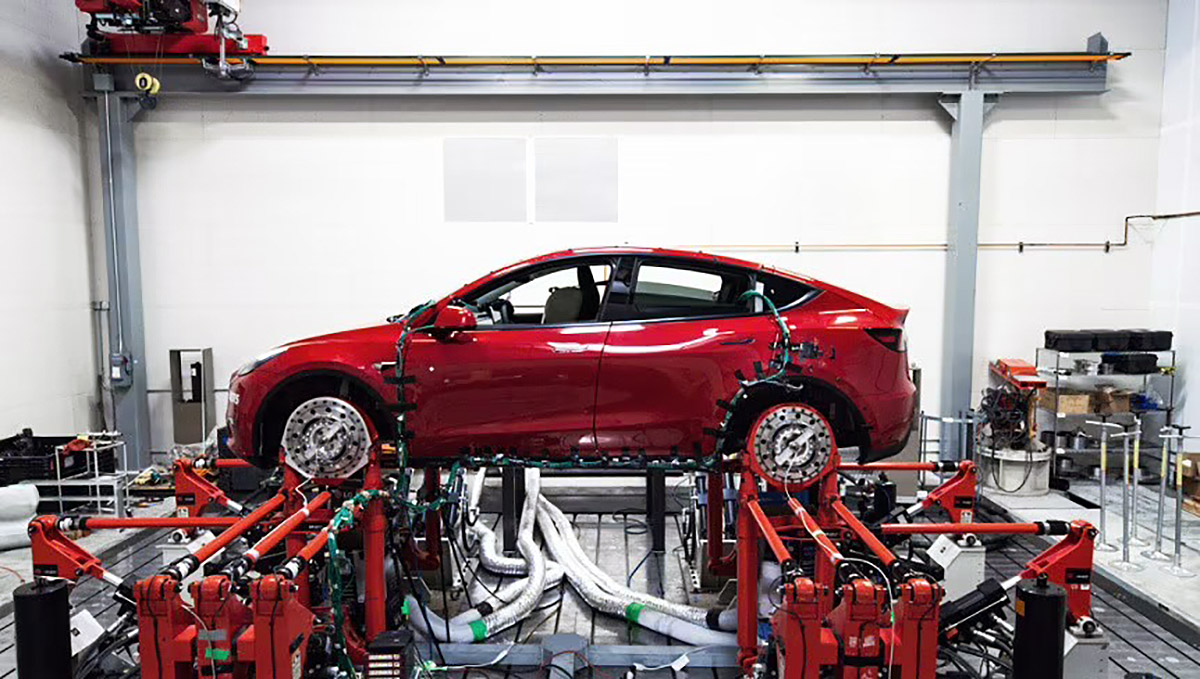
<point x="681" y="333"/>
<point x="524" y="380"/>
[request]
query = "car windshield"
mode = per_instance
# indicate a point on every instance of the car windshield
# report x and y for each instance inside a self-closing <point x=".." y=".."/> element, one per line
<point x="396" y="318"/>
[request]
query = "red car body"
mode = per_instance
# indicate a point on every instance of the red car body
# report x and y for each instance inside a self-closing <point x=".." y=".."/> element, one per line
<point x="633" y="378"/>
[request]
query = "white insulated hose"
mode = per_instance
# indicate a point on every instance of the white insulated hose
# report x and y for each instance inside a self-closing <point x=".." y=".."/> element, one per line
<point x="511" y="614"/>
<point x="469" y="626"/>
<point x="629" y="607"/>
<point x="693" y="614"/>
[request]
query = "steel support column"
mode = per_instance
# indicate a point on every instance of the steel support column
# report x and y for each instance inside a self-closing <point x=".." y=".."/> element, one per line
<point x="968" y="111"/>
<point x="512" y="499"/>
<point x="656" y="508"/>
<point x="126" y="368"/>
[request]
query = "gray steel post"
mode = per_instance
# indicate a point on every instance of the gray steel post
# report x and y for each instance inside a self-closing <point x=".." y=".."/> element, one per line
<point x="1176" y="566"/>
<point x="512" y="498"/>
<point x="1137" y="481"/>
<point x="968" y="110"/>
<point x="1156" y="554"/>
<point x="1102" y="543"/>
<point x="126" y="369"/>
<point x="1125" y="563"/>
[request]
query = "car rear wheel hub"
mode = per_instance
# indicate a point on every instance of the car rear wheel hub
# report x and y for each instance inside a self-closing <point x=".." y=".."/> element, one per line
<point x="791" y="446"/>
<point x="326" y="437"/>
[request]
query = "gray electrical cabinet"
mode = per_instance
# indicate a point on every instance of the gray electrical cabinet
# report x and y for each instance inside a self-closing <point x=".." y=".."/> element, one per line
<point x="193" y="399"/>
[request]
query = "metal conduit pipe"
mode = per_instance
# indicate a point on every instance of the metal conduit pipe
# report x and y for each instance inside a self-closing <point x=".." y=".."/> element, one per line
<point x="651" y="63"/>
<point x="1019" y="246"/>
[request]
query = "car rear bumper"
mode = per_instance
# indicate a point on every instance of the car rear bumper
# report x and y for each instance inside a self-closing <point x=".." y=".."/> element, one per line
<point x="893" y="423"/>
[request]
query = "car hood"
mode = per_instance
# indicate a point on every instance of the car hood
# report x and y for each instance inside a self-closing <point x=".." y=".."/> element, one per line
<point x="386" y="332"/>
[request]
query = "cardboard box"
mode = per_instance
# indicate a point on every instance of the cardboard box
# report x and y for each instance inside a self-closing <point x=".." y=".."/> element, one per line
<point x="1109" y="401"/>
<point x="1069" y="402"/>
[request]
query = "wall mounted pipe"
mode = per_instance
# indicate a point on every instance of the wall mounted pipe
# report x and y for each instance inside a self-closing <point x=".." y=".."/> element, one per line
<point x="1020" y="246"/>
<point x="655" y="63"/>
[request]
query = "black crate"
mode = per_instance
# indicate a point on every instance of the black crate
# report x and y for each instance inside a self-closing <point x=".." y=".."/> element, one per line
<point x="27" y="457"/>
<point x="1129" y="364"/>
<point x="1070" y="340"/>
<point x="1150" y="340"/>
<point x="1111" y="340"/>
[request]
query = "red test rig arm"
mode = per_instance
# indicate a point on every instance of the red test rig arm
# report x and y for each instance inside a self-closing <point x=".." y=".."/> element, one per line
<point x="956" y="495"/>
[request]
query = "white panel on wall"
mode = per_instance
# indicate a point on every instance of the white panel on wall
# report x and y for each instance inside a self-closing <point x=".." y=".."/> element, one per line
<point x="484" y="180"/>
<point x="575" y="179"/>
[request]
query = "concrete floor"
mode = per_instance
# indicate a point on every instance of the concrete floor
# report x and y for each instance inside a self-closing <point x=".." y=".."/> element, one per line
<point x="16" y="565"/>
<point x="619" y="542"/>
<point x="1178" y="597"/>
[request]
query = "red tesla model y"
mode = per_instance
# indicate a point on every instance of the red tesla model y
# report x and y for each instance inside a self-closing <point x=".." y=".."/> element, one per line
<point x="587" y="352"/>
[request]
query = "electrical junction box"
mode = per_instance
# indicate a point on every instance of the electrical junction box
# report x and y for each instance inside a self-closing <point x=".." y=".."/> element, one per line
<point x="1085" y="657"/>
<point x="85" y="632"/>
<point x="963" y="561"/>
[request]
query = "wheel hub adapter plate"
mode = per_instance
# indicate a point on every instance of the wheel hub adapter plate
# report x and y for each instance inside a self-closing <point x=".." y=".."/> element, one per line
<point x="326" y="438"/>
<point x="791" y="446"/>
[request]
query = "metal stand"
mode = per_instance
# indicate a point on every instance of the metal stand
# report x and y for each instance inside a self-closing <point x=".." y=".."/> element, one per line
<point x="1176" y="566"/>
<point x="1102" y="543"/>
<point x="1137" y="481"/>
<point x="1157" y="554"/>
<point x="1125" y="564"/>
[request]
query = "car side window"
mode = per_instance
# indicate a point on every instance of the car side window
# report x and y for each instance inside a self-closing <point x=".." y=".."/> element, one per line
<point x="662" y="290"/>
<point x="545" y="296"/>
<point x="783" y="292"/>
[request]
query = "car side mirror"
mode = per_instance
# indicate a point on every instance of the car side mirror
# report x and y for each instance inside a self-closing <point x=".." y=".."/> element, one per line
<point x="452" y="319"/>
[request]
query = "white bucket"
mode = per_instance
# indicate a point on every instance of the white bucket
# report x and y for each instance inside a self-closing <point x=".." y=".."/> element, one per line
<point x="1015" y="472"/>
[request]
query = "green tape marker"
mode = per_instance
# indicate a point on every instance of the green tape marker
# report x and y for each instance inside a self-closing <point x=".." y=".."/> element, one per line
<point x="479" y="629"/>
<point x="633" y="611"/>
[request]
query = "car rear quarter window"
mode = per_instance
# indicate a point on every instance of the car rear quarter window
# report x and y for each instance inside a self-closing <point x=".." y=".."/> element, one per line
<point x="783" y="292"/>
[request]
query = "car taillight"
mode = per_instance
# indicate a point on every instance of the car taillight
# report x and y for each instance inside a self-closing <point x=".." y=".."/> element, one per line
<point x="892" y="338"/>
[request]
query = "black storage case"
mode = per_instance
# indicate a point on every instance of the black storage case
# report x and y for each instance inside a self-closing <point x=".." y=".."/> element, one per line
<point x="28" y="457"/>
<point x="1150" y="340"/>
<point x="1129" y="364"/>
<point x="1111" y="340"/>
<point x="1070" y="340"/>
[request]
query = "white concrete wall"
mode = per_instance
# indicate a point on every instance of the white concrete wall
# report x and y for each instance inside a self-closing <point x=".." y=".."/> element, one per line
<point x="268" y="221"/>
<point x="1176" y="279"/>
<point x="46" y="365"/>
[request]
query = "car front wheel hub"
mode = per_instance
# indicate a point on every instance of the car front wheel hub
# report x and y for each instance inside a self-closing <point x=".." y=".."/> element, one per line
<point x="326" y="437"/>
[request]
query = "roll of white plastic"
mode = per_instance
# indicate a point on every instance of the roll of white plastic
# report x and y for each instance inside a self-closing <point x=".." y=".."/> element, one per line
<point x="18" y="505"/>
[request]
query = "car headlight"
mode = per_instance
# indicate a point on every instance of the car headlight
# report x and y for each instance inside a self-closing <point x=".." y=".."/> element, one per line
<point x="259" y="360"/>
